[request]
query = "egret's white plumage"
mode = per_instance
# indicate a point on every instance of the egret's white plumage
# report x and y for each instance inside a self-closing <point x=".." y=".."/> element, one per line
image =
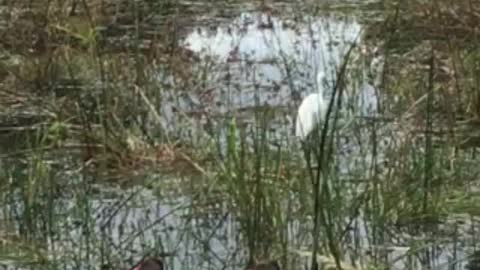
<point x="311" y="112"/>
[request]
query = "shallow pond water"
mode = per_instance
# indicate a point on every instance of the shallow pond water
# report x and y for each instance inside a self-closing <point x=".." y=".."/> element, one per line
<point x="250" y="60"/>
<point x="263" y="60"/>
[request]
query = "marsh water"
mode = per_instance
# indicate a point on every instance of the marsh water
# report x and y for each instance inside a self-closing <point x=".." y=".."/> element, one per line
<point x="248" y="60"/>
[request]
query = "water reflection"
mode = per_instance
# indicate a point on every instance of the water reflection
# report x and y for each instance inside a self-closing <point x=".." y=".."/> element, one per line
<point x="320" y="43"/>
<point x="268" y="61"/>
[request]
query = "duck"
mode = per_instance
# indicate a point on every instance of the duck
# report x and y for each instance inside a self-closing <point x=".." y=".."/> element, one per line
<point x="268" y="265"/>
<point x="149" y="264"/>
<point x="157" y="264"/>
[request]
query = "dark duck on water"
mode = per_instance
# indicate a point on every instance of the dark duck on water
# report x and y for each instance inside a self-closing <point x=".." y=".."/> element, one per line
<point x="149" y="264"/>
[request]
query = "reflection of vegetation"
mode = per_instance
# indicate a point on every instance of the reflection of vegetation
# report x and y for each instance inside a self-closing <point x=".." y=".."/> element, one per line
<point x="21" y="253"/>
<point x="88" y="93"/>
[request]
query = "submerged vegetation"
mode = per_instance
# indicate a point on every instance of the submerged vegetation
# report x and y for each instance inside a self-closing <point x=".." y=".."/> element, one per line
<point x="121" y="139"/>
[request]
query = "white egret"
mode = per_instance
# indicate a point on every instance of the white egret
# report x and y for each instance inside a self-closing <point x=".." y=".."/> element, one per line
<point x="312" y="111"/>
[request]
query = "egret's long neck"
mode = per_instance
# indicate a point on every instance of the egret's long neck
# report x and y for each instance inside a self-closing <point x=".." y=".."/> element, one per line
<point x="320" y="77"/>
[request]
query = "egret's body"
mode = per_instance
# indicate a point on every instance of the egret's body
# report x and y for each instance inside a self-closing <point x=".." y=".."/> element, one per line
<point x="311" y="112"/>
